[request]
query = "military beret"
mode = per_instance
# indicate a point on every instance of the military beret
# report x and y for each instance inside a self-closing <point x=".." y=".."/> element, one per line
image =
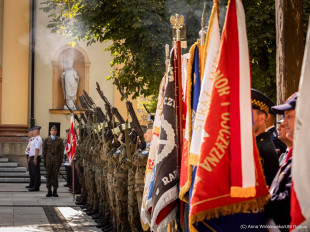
<point x="67" y="131"/>
<point x="54" y="128"/>
<point x="289" y="104"/>
<point x="261" y="102"/>
<point x="36" y="128"/>
<point x="30" y="129"/>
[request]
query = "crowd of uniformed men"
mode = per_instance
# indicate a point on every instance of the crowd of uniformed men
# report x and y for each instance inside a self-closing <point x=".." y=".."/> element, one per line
<point x="111" y="177"/>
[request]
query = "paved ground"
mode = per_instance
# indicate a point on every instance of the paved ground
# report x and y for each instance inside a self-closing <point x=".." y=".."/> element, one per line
<point x="21" y="210"/>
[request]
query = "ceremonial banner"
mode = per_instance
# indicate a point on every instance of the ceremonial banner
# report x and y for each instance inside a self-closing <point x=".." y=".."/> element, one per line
<point x="185" y="173"/>
<point x="229" y="176"/>
<point x="300" y="202"/>
<point x="71" y="141"/>
<point x="211" y="54"/>
<point x="165" y="191"/>
<point x="146" y="206"/>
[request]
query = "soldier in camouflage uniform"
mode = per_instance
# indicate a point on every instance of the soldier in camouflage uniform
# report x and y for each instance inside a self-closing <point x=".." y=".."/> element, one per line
<point x="110" y="177"/>
<point x="120" y="184"/>
<point x="140" y="158"/>
<point x="79" y="154"/>
<point x="87" y="169"/>
<point x="133" y="213"/>
<point x="53" y="150"/>
<point x="98" y="167"/>
<point x="90" y="177"/>
<point x="107" y="217"/>
<point x="78" y="165"/>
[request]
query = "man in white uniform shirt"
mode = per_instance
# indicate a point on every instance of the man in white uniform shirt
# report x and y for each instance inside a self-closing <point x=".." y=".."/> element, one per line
<point x="35" y="159"/>
<point x="30" y="136"/>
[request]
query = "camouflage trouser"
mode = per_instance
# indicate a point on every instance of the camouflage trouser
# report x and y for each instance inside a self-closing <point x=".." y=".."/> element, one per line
<point x="100" y="190"/>
<point x="93" y="189"/>
<point x="106" y="202"/>
<point x="80" y="173"/>
<point x="121" y="196"/>
<point x="112" y="197"/>
<point x="139" y="188"/>
<point x="87" y="183"/>
<point x="133" y="213"/>
<point x="52" y="169"/>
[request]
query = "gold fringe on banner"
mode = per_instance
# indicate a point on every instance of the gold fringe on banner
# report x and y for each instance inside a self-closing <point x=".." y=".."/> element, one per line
<point x="242" y="192"/>
<point x="252" y="206"/>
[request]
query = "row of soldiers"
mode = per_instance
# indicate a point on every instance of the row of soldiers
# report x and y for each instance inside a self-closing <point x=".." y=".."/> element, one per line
<point x="111" y="159"/>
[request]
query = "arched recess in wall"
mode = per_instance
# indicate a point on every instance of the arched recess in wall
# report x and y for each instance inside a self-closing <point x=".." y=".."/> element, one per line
<point x="81" y="65"/>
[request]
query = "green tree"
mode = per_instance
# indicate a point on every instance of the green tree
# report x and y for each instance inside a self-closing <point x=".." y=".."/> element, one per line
<point x="139" y="30"/>
<point x="261" y="31"/>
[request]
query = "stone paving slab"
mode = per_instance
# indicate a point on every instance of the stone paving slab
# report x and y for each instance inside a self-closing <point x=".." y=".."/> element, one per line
<point x="21" y="210"/>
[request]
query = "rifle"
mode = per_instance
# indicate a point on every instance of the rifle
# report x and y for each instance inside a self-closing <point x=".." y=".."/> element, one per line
<point x="135" y="122"/>
<point x="109" y="108"/>
<point x="89" y="100"/>
<point x="151" y="116"/>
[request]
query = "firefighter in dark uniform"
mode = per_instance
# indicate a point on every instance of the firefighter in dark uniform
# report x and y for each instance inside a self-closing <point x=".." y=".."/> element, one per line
<point x="279" y="206"/>
<point x="267" y="151"/>
<point x="53" y="150"/>
<point x="272" y="131"/>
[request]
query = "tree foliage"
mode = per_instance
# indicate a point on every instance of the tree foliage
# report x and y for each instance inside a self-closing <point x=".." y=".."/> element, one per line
<point x="139" y="30"/>
<point x="261" y="31"/>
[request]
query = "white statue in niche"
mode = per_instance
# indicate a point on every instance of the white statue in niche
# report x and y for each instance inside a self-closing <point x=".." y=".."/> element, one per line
<point x="70" y="84"/>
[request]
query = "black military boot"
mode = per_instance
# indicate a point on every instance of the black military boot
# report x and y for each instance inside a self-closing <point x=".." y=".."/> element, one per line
<point x="107" y="228"/>
<point x="91" y="212"/>
<point x="49" y="192"/>
<point x="103" y="223"/>
<point x="96" y="216"/>
<point x="55" y="192"/>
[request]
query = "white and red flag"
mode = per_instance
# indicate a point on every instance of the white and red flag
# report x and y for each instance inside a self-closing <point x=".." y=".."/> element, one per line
<point x="229" y="178"/>
<point x="71" y="140"/>
<point x="300" y="202"/>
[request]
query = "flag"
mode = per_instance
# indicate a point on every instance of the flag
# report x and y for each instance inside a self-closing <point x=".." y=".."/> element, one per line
<point x="165" y="191"/>
<point x="71" y="141"/>
<point x="201" y="112"/>
<point x="146" y="206"/>
<point x="184" y="169"/>
<point x="211" y="51"/>
<point x="229" y="178"/>
<point x="300" y="203"/>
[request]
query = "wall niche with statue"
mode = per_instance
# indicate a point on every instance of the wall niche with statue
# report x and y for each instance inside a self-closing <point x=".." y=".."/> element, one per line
<point x="70" y="78"/>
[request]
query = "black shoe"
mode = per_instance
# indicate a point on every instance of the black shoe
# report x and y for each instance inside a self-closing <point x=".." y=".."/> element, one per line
<point x="80" y="202"/>
<point x="107" y="228"/>
<point x="104" y="223"/>
<point x="99" y="220"/>
<point x="83" y="206"/>
<point x="91" y="212"/>
<point x="55" y="194"/>
<point x="66" y="185"/>
<point x="34" y="190"/>
<point x="49" y="194"/>
<point x="28" y="187"/>
<point x="77" y="192"/>
<point x="100" y="225"/>
<point x="96" y="216"/>
<point x="88" y="208"/>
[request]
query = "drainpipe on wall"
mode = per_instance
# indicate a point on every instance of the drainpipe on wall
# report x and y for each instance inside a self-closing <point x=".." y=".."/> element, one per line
<point x="33" y="25"/>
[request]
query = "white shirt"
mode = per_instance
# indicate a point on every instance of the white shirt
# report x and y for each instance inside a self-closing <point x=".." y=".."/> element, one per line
<point x="36" y="144"/>
<point x="28" y="146"/>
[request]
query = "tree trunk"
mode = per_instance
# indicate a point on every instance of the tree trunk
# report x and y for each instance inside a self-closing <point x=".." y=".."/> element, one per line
<point x="290" y="47"/>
